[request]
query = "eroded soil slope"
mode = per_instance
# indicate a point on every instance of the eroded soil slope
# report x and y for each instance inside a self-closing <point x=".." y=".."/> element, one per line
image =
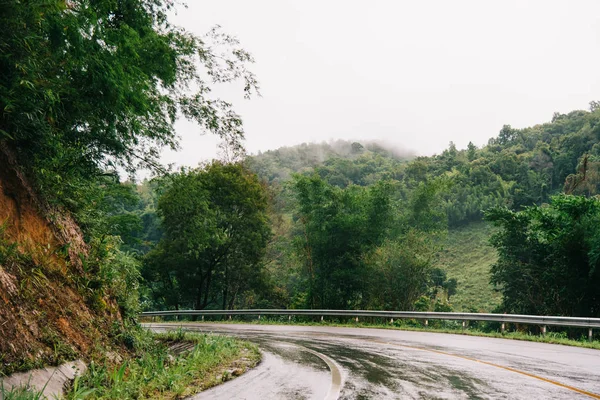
<point x="48" y="314"/>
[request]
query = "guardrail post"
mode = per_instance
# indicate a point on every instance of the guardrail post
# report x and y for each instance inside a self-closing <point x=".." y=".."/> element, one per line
<point x="356" y="319"/>
<point x="392" y="321"/>
<point x="502" y="328"/>
<point x="203" y="318"/>
<point x="590" y="335"/>
<point x="258" y="316"/>
<point x="289" y="317"/>
<point x="426" y="322"/>
<point x="230" y="317"/>
<point x="321" y="318"/>
<point x="544" y="330"/>
<point x="463" y="324"/>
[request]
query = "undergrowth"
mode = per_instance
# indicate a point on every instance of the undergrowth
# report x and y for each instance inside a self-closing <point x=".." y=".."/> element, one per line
<point x="154" y="373"/>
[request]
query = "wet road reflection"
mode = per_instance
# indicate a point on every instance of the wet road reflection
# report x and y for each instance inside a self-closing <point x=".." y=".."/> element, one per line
<point x="380" y="364"/>
<point x="286" y="372"/>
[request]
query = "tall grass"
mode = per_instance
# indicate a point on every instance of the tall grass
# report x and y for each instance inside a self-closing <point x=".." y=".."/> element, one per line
<point x="156" y="374"/>
<point x="25" y="392"/>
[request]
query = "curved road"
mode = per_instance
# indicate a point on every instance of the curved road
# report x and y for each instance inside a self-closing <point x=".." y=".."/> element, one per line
<point x="312" y="362"/>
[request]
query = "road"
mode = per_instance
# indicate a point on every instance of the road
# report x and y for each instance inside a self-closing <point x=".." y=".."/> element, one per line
<point x="313" y="362"/>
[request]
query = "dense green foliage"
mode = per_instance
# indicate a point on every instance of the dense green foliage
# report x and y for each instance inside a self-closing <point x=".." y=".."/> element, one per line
<point x="518" y="168"/>
<point x="340" y="226"/>
<point x="92" y="88"/>
<point x="87" y="86"/>
<point x="347" y="162"/>
<point x="348" y="240"/>
<point x="361" y="227"/>
<point x="331" y="251"/>
<point x="549" y="257"/>
<point x="399" y="272"/>
<point x="337" y="223"/>
<point x="215" y="233"/>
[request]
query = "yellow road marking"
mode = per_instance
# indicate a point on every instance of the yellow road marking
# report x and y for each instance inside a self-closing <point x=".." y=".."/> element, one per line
<point x="562" y="385"/>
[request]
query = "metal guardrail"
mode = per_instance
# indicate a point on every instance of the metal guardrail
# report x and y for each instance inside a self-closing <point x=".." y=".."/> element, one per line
<point x="540" y="320"/>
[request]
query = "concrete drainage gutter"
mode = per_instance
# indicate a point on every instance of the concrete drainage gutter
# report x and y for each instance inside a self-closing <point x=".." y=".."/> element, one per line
<point x="51" y="380"/>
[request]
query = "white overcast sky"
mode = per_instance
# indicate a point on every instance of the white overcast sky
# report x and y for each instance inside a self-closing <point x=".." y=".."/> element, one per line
<point x="417" y="74"/>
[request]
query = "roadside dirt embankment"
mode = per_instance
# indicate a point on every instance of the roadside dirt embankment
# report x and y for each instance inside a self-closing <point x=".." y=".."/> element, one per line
<point x="47" y="313"/>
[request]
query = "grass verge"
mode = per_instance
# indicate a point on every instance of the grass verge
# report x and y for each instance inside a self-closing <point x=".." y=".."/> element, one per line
<point x="154" y="373"/>
<point x="452" y="327"/>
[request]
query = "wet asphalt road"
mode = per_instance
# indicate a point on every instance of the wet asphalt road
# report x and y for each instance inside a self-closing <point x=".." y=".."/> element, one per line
<point x="311" y="362"/>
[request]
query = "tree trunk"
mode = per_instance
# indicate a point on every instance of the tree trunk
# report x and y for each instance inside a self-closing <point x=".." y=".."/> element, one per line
<point x="207" y="288"/>
<point x="225" y="288"/>
<point x="232" y="302"/>
<point x="199" y="293"/>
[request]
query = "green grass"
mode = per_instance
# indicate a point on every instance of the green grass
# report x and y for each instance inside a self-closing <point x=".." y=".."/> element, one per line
<point x="453" y="327"/>
<point x="21" y="393"/>
<point x="467" y="256"/>
<point x="155" y="374"/>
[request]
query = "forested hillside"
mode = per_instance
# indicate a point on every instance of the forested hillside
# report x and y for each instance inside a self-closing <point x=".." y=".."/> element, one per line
<point x="276" y="166"/>
<point x="348" y="220"/>
<point x="361" y="226"/>
<point x="517" y="168"/>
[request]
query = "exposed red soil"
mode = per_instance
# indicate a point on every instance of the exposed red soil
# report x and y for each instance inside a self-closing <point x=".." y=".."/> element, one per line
<point x="44" y="315"/>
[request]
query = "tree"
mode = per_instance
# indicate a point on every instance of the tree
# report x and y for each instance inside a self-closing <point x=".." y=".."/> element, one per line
<point x="339" y="227"/>
<point x="438" y="277"/>
<point x="215" y="234"/>
<point x="507" y="135"/>
<point x="549" y="257"/>
<point x="93" y="85"/>
<point x="451" y="285"/>
<point x="399" y="271"/>
<point x="471" y="151"/>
